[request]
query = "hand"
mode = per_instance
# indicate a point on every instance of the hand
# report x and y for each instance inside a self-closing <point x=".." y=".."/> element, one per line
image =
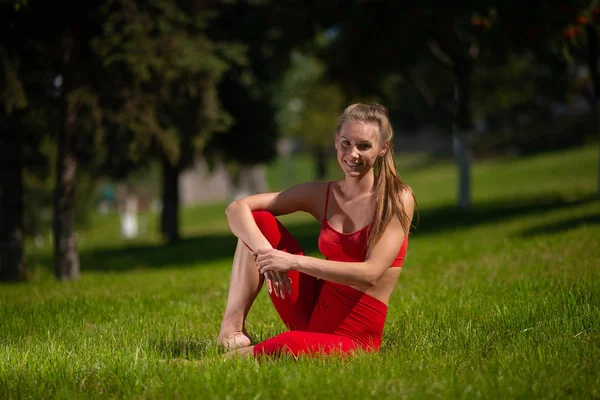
<point x="279" y="283"/>
<point x="274" y="264"/>
<point x="274" y="260"/>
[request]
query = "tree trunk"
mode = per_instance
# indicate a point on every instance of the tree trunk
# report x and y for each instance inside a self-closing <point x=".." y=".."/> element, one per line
<point x="462" y="129"/>
<point x="12" y="256"/>
<point x="170" y="202"/>
<point x="593" y="53"/>
<point x="66" y="257"/>
<point x="320" y="158"/>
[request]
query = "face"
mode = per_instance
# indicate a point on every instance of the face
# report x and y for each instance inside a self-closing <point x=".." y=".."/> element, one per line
<point x="358" y="146"/>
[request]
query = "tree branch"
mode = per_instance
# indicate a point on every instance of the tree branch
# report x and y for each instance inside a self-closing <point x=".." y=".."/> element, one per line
<point x="421" y="87"/>
<point x="441" y="55"/>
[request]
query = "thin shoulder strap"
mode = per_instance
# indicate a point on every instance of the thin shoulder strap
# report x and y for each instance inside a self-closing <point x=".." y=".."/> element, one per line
<point x="326" y="202"/>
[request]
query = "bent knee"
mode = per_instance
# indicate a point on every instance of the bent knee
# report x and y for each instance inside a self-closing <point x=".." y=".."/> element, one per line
<point x="268" y="225"/>
<point x="264" y="218"/>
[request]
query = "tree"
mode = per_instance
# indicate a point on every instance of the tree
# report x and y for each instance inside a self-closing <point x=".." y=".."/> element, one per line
<point x="37" y="56"/>
<point x="583" y="33"/>
<point x="309" y="107"/>
<point x="14" y="103"/>
<point x="12" y="256"/>
<point x="162" y="101"/>
<point x="143" y="71"/>
<point x="458" y="36"/>
<point x="593" y="46"/>
<point x="270" y="31"/>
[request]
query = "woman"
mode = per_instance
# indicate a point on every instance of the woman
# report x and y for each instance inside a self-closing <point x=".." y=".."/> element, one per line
<point x="338" y="304"/>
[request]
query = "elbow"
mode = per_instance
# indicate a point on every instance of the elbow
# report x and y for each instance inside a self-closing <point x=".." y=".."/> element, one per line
<point x="370" y="277"/>
<point x="232" y="209"/>
<point x="233" y="212"/>
<point x="369" y="280"/>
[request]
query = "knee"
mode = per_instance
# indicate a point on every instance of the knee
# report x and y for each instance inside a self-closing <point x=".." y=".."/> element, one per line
<point x="263" y="219"/>
<point x="267" y="223"/>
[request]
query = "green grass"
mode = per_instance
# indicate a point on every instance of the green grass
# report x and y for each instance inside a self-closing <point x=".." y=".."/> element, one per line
<point x="502" y="301"/>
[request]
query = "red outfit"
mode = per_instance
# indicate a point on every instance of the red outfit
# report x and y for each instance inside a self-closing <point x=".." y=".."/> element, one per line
<point x="323" y="316"/>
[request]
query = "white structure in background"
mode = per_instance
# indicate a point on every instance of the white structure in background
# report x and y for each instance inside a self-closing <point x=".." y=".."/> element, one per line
<point x="129" y="217"/>
<point x="251" y="180"/>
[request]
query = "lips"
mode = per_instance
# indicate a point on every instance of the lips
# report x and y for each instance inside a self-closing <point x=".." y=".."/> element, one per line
<point x="353" y="165"/>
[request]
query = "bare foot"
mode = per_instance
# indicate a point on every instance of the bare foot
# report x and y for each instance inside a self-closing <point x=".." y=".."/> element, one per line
<point x="240" y="352"/>
<point x="234" y="340"/>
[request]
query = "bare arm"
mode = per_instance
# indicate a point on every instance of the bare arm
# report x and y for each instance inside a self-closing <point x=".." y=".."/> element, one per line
<point x="365" y="273"/>
<point x="304" y="197"/>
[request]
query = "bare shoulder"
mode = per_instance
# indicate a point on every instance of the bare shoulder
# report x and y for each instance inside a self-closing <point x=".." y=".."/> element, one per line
<point x="407" y="197"/>
<point x="302" y="197"/>
<point x="307" y="197"/>
<point x="306" y="190"/>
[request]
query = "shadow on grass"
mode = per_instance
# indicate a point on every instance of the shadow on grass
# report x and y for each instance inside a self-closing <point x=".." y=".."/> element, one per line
<point x="181" y="348"/>
<point x="562" y="226"/>
<point x="450" y="218"/>
<point x="200" y="251"/>
<point x="188" y="252"/>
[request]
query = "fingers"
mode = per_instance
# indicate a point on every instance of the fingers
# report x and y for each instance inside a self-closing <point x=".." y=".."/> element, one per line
<point x="272" y="283"/>
<point x="281" y="281"/>
<point x="260" y="251"/>
<point x="269" y="282"/>
<point x="287" y="284"/>
<point x="278" y="283"/>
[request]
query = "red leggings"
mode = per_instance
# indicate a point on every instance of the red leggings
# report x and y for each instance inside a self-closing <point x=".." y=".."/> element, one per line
<point x="323" y="317"/>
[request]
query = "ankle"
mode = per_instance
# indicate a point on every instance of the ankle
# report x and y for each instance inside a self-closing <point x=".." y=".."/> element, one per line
<point x="230" y="326"/>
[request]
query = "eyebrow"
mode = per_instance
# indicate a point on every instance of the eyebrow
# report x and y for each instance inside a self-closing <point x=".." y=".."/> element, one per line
<point x="361" y="142"/>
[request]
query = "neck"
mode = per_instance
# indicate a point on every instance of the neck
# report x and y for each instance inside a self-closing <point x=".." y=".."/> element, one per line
<point x="353" y="187"/>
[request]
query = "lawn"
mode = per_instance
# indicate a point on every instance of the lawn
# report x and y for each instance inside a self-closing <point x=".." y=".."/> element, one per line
<point x="502" y="301"/>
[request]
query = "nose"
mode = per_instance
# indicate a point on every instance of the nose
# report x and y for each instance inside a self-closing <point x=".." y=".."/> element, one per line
<point x="354" y="152"/>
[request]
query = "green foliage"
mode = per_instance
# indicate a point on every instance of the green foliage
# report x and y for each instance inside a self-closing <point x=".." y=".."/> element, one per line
<point x="410" y="60"/>
<point x="165" y="70"/>
<point x="270" y="31"/>
<point x="308" y="105"/>
<point x="501" y="87"/>
<point x="39" y="191"/>
<point x="12" y="94"/>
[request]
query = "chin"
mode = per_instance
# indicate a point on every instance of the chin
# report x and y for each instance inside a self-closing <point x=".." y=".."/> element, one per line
<point x="354" y="174"/>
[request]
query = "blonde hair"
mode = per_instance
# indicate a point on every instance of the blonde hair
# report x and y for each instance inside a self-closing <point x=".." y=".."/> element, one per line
<point x="388" y="187"/>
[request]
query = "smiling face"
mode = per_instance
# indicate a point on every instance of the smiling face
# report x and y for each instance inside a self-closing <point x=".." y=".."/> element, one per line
<point x="358" y="146"/>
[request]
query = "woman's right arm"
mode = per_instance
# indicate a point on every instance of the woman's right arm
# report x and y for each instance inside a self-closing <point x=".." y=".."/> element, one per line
<point x="304" y="197"/>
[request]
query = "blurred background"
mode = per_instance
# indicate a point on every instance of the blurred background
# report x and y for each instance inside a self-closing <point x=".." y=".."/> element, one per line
<point x="129" y="121"/>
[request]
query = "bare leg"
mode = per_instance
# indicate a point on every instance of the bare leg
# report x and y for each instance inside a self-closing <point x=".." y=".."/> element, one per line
<point x="244" y="285"/>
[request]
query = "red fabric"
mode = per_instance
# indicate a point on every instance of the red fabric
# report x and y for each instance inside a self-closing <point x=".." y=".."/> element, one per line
<point x="349" y="247"/>
<point x="323" y="317"/>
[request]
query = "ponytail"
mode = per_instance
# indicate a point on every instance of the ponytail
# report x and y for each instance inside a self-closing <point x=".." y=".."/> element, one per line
<point x="388" y="188"/>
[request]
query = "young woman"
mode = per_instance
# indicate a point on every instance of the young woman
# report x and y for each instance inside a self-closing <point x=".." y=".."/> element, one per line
<point x="337" y="304"/>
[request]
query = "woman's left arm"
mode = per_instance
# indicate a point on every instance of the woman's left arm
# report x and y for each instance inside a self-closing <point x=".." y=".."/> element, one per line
<point x="365" y="273"/>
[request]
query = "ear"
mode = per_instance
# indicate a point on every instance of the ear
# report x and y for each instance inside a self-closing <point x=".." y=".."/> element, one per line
<point x="384" y="150"/>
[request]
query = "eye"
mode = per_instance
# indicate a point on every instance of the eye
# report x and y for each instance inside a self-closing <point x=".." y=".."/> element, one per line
<point x="364" y="146"/>
<point x="345" y="143"/>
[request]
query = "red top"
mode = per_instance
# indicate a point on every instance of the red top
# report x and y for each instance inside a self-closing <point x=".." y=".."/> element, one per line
<point x="352" y="247"/>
